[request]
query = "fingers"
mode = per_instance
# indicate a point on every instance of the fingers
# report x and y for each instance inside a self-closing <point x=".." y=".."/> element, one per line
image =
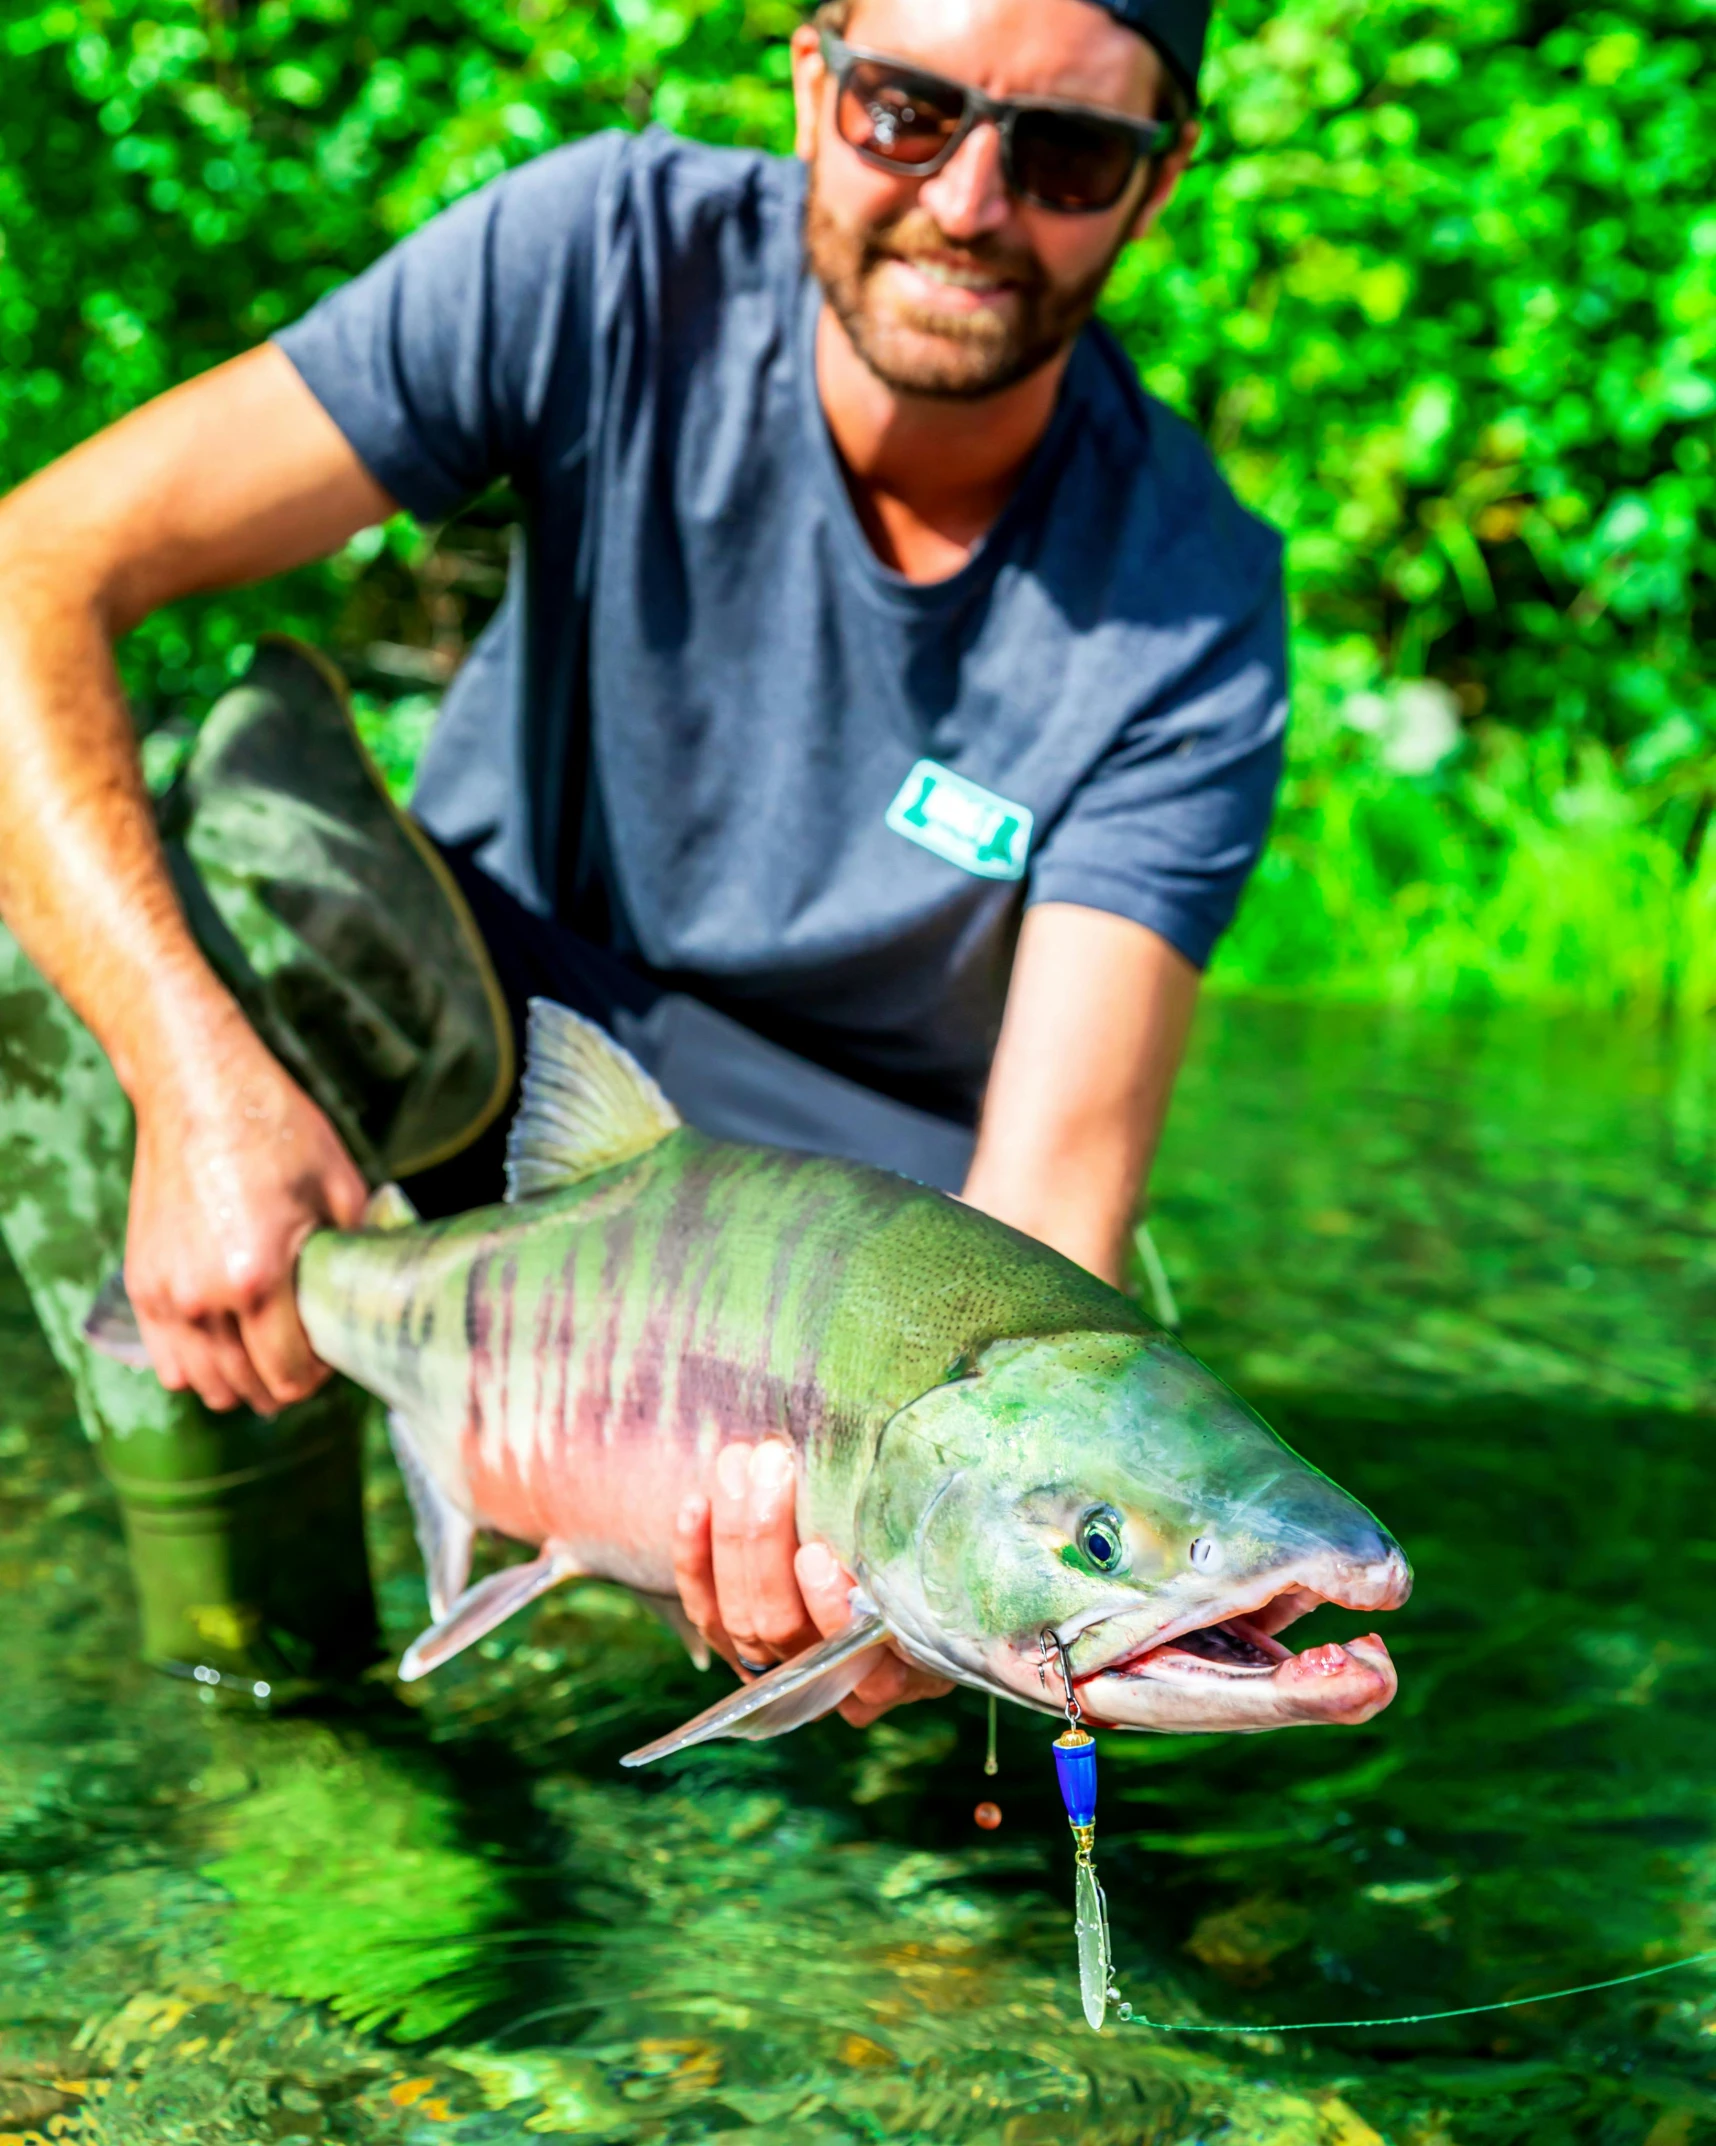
<point x="757" y="1595"/>
<point x="694" y="1575"/>
<point x="158" y="1340"/>
<point x="892" y="1683"/>
<point x="344" y="1193"/>
<point x="207" y="1356"/>
<point x="827" y="1586"/>
<point x="234" y="1168"/>
<point x="232" y="1366"/>
<point x="777" y="1613"/>
<point x="260" y="1357"/>
<point x="275" y="1343"/>
<point x="753" y="1534"/>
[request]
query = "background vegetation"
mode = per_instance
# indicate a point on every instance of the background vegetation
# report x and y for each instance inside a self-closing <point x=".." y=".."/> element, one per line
<point x="1442" y="291"/>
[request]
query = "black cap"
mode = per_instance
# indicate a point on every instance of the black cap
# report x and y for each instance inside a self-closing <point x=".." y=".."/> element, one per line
<point x="1177" y="28"/>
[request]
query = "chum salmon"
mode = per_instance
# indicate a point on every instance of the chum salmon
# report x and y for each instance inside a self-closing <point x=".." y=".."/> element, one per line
<point x="1000" y="1447"/>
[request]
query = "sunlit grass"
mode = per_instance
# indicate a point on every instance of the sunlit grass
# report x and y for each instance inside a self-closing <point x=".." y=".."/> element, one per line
<point x="1522" y="871"/>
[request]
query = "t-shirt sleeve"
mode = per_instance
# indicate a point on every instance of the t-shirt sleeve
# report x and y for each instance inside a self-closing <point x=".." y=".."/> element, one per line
<point x="1167" y="826"/>
<point x="462" y="355"/>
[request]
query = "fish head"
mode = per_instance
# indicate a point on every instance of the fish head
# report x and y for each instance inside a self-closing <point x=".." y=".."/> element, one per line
<point x="1107" y="1489"/>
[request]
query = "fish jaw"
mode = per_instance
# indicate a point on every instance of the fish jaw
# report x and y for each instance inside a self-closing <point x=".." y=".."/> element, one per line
<point x="1339" y="1684"/>
<point x="1231" y="1671"/>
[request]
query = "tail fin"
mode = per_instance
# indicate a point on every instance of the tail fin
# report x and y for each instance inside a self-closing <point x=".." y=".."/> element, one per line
<point x="111" y="1328"/>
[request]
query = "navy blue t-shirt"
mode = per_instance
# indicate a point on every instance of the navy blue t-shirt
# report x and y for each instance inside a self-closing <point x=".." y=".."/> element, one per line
<point x="708" y="725"/>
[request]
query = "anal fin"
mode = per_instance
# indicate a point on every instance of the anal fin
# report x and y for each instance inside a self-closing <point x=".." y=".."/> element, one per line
<point x="810" y="1685"/>
<point x="479" y="1609"/>
<point x="444" y="1534"/>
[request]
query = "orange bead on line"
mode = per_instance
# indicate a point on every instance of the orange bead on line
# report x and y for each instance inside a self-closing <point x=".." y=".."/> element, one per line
<point x="988" y="1816"/>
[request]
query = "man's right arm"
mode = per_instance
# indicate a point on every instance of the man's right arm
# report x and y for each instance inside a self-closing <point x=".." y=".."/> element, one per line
<point x="236" y="476"/>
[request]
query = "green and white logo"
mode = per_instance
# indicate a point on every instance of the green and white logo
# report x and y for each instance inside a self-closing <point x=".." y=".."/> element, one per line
<point x="963" y="822"/>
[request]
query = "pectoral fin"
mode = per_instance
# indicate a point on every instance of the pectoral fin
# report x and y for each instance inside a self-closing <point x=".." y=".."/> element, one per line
<point x="479" y="1609"/>
<point x="810" y="1685"/>
<point x="444" y="1534"/>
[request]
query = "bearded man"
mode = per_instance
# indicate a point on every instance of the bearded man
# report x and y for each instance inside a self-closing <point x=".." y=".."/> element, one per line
<point x="883" y="717"/>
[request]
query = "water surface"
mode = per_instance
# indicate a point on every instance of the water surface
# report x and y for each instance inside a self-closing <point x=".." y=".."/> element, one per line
<point x="1469" y="1269"/>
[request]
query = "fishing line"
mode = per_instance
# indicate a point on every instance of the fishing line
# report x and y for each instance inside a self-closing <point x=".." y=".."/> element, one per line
<point x="1075" y="1768"/>
<point x="1412" y="2019"/>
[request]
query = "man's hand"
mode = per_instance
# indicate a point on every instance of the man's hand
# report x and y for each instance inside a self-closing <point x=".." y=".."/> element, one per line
<point x="757" y="1595"/>
<point x="235" y="1167"/>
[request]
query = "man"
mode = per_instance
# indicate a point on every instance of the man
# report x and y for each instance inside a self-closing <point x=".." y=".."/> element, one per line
<point x="884" y="721"/>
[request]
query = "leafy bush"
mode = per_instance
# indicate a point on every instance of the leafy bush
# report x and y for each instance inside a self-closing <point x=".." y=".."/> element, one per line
<point x="1442" y="292"/>
<point x="1445" y="300"/>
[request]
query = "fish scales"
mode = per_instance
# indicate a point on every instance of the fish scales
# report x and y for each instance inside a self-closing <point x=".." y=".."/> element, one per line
<point x="705" y="1292"/>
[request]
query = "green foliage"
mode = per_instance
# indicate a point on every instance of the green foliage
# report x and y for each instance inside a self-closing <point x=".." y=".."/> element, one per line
<point x="1441" y="290"/>
<point x="1444" y="298"/>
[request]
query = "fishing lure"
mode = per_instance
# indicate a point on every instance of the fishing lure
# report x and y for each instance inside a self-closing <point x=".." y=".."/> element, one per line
<point x="1075" y="1770"/>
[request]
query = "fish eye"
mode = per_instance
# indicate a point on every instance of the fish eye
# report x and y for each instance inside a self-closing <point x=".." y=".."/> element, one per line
<point x="1102" y="1538"/>
<point x="1206" y="1553"/>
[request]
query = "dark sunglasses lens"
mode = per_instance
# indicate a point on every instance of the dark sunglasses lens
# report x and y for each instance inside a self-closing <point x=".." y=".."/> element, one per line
<point x="1069" y="162"/>
<point x="904" y="118"/>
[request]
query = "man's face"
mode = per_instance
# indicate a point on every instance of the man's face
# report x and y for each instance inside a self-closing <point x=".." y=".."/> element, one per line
<point x="951" y="285"/>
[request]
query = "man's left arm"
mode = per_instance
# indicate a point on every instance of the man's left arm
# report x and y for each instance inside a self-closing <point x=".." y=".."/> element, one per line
<point x="1134" y="883"/>
<point x="1096" y="1023"/>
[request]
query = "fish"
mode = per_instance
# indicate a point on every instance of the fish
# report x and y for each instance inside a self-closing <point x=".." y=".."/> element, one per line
<point x="1030" y="1481"/>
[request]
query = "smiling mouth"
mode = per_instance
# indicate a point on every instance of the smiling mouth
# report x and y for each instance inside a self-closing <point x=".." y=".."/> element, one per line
<point x="955" y="276"/>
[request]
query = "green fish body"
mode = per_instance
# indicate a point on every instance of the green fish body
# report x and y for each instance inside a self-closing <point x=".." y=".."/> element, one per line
<point x="997" y="1444"/>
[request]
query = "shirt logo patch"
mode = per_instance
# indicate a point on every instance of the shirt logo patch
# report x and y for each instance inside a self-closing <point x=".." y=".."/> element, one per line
<point x="962" y="822"/>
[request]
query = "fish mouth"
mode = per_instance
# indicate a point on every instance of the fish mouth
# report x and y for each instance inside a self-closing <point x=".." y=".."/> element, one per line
<point x="1233" y="1672"/>
<point x="1236" y="1647"/>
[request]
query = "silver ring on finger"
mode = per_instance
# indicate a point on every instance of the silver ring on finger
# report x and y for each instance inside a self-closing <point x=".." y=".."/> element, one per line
<point x="756" y="1669"/>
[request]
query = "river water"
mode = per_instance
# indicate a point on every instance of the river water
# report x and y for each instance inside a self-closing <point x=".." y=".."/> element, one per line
<point x="1470" y="1269"/>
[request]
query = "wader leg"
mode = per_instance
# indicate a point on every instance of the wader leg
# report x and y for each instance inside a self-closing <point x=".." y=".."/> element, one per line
<point x="246" y="1536"/>
<point x="353" y="953"/>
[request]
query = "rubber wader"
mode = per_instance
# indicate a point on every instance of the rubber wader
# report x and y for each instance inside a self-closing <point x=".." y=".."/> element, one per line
<point x="340" y="933"/>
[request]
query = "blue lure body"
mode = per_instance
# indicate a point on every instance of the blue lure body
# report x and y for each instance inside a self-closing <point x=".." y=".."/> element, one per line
<point x="1075" y="1768"/>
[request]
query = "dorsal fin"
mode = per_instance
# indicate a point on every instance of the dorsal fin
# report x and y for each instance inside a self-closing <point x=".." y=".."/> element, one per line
<point x="389" y="1208"/>
<point x="587" y="1105"/>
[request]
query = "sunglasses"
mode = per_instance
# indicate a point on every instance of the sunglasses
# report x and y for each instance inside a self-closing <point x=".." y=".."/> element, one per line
<point x="1065" y="157"/>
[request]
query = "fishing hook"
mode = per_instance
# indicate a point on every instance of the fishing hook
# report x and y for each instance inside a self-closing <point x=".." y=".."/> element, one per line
<point x="1044" y="1638"/>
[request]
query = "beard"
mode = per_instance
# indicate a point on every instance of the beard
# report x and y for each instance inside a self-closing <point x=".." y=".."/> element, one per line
<point x="917" y="350"/>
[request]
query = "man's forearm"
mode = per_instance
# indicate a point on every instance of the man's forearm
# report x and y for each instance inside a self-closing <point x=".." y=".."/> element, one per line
<point x="83" y="882"/>
<point x="232" y="477"/>
<point x="1097" y="1018"/>
<point x="1082" y="1197"/>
